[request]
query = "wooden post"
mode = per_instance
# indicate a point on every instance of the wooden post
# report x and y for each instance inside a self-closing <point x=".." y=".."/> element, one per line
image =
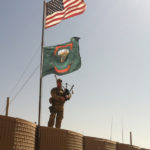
<point x="130" y="138"/>
<point x="7" y="107"/>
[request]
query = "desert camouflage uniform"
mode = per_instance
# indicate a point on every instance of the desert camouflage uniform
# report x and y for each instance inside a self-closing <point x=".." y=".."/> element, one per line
<point x="57" y="108"/>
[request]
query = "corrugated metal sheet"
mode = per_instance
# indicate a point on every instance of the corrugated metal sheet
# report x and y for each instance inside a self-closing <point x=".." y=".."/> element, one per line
<point x="7" y="132"/>
<point x="59" y="139"/>
<point x="16" y="134"/>
<point x="92" y="143"/>
<point x="121" y="146"/>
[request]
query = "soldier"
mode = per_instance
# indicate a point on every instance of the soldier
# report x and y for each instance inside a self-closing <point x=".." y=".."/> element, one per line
<point x="58" y="98"/>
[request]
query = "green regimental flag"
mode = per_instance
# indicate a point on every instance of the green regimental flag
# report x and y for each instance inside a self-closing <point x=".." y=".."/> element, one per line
<point x="62" y="59"/>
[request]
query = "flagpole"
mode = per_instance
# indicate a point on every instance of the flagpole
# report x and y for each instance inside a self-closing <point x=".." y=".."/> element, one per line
<point x="41" y="65"/>
<point x="40" y="88"/>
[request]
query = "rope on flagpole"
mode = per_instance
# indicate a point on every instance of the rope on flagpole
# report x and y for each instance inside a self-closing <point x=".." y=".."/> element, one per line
<point x="21" y="76"/>
<point x="24" y="71"/>
<point x="2" y="107"/>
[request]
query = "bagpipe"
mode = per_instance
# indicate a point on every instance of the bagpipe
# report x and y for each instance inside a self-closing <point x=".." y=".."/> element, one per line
<point x="67" y="92"/>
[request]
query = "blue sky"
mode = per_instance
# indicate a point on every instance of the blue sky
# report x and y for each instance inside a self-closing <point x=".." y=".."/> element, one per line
<point x="113" y="81"/>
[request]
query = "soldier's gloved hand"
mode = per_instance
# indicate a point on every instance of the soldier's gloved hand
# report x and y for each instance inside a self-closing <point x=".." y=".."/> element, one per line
<point x="67" y="97"/>
<point x="62" y="98"/>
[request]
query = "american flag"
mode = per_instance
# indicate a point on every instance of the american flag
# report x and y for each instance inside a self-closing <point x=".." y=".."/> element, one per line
<point x="58" y="10"/>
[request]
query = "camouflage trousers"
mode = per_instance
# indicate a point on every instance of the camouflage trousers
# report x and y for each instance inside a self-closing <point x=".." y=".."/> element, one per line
<point x="59" y="116"/>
